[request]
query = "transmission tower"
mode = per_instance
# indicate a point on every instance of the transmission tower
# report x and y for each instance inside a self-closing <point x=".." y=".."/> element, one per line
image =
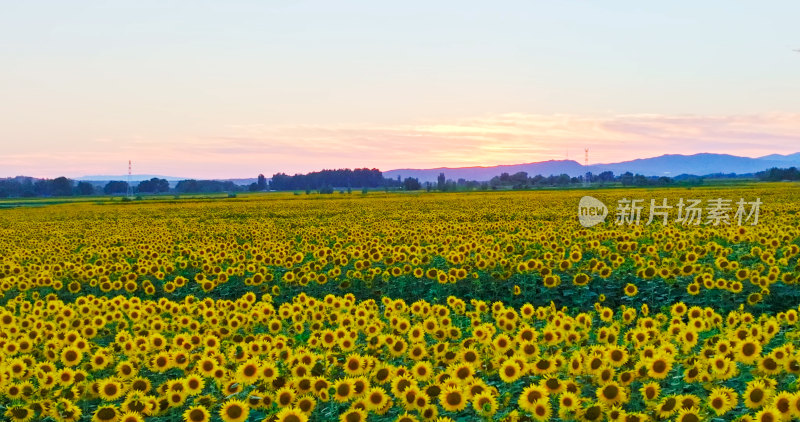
<point x="587" y="175"/>
<point x="130" y="188"/>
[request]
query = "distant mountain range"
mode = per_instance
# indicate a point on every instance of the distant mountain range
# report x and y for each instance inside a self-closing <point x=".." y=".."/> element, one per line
<point x="665" y="165"/>
<point x="136" y="178"/>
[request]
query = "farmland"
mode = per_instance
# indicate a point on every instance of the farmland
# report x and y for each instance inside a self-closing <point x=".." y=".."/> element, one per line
<point x="398" y="307"/>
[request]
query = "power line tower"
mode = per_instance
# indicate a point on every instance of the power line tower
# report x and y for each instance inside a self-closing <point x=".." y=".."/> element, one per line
<point x="587" y="175"/>
<point x="130" y="188"/>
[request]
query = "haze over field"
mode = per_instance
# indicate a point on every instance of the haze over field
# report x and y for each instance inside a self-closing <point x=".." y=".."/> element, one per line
<point x="233" y="89"/>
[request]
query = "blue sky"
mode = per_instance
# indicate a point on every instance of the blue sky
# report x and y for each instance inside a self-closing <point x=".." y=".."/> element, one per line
<point x="236" y="87"/>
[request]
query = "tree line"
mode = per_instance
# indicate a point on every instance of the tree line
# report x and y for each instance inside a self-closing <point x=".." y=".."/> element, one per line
<point x="326" y="181"/>
<point x="329" y="179"/>
<point x="777" y="174"/>
<point x="22" y="186"/>
<point x="62" y="186"/>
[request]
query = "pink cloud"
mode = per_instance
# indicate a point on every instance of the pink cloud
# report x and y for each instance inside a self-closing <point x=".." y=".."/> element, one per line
<point x="244" y="150"/>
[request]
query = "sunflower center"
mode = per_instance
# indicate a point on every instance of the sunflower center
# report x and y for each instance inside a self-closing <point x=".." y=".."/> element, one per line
<point x="234" y="411"/>
<point x="454" y="398"/>
<point x="610" y="391"/>
<point x="197" y="415"/>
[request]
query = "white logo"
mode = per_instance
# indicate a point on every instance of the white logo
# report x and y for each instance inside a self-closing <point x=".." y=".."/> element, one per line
<point x="591" y="211"/>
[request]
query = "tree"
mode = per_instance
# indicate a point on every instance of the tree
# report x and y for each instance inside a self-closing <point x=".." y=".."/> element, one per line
<point x="42" y="188"/>
<point x="115" y="186"/>
<point x="606" y="176"/>
<point x="61" y="186"/>
<point x="411" y="183"/>
<point x="626" y="178"/>
<point x="519" y="178"/>
<point x="776" y="174"/>
<point x="85" y="188"/>
<point x="205" y="186"/>
<point x="154" y="185"/>
<point x="262" y="182"/>
<point x="563" y="179"/>
<point x="369" y="178"/>
<point x="440" y="181"/>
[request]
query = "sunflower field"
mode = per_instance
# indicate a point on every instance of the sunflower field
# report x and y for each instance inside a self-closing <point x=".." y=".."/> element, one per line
<point x="398" y="307"/>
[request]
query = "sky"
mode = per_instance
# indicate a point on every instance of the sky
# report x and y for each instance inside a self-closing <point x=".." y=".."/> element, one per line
<point x="236" y="88"/>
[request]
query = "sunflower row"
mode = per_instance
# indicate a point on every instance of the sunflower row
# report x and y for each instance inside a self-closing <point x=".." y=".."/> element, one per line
<point x="379" y="244"/>
<point x="127" y="359"/>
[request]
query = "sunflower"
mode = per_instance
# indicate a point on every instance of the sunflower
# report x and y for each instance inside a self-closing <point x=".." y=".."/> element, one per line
<point x="592" y="412"/>
<point x="484" y="404"/>
<point x="352" y="415"/>
<point x="284" y="397"/>
<point x="409" y="397"/>
<point x="290" y="414"/>
<point x="320" y="386"/>
<point x="406" y="417"/>
<point x="691" y="414"/>
<point x="353" y="364"/>
<point x="768" y="414"/>
<point x="461" y="371"/>
<point x="207" y="366"/>
<point x="194" y="384"/>
<point x="306" y="404"/>
<point x="757" y="394"/>
<point x="248" y="372"/>
<point x="510" y="371"/>
<point x="136" y="402"/>
<point x="19" y="413"/>
<point x="452" y="399"/>
<point x="110" y="389"/>
<point x="140" y="384"/>
<point x="552" y="384"/>
<point x="531" y="394"/>
<point x="611" y="393"/>
<point x="99" y="361"/>
<point x="768" y="365"/>
<point x="782" y="402"/>
<point x="343" y="390"/>
<point x="650" y="391"/>
<point x="617" y="356"/>
<point x="631" y="290"/>
<point x="65" y="411"/>
<point x="568" y="401"/>
<point x="543" y="366"/>
<point x="659" y="366"/>
<point x="376" y="398"/>
<point x="71" y="356"/>
<point x="400" y="383"/>
<point x="196" y="414"/>
<point x="540" y="410"/>
<point x="720" y="401"/>
<point x="234" y="410"/>
<point x="422" y="371"/>
<point x="269" y="371"/>
<point x="688" y="339"/>
<point x="131" y="417"/>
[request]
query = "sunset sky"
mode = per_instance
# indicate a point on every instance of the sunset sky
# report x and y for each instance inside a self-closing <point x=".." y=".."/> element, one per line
<point x="235" y="88"/>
